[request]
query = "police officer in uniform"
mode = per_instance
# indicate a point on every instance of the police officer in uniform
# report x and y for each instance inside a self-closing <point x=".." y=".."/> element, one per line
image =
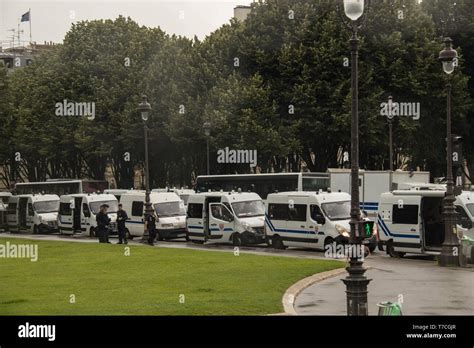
<point x="150" y="225"/>
<point x="103" y="222"/>
<point x="121" y="218"/>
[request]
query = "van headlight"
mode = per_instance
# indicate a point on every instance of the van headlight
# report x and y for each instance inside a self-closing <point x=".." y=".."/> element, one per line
<point x="342" y="231"/>
<point x="247" y="227"/>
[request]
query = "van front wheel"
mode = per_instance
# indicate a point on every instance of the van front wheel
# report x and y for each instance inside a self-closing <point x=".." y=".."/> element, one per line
<point x="277" y="243"/>
<point x="236" y="239"/>
<point x="392" y="252"/>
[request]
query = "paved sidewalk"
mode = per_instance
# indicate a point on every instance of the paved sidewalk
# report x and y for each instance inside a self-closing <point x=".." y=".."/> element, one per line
<point x="427" y="289"/>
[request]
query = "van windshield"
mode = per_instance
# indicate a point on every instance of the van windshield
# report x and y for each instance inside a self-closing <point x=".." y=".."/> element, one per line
<point x="46" y="206"/>
<point x="249" y="208"/>
<point x="470" y="207"/>
<point x="170" y="209"/>
<point x="95" y="206"/>
<point x="337" y="210"/>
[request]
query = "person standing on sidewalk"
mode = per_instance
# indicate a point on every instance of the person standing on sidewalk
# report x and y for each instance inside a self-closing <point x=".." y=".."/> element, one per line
<point x="150" y="226"/>
<point x="121" y="218"/>
<point x="103" y="222"/>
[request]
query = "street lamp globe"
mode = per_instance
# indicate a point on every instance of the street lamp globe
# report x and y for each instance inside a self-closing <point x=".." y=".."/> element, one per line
<point x="354" y="9"/>
<point x="448" y="56"/>
<point x="144" y="107"/>
<point x="207" y="128"/>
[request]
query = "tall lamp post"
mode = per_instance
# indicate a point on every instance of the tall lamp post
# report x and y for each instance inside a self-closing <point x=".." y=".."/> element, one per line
<point x="356" y="283"/>
<point x="390" y="132"/>
<point x="144" y="107"/>
<point x="207" y="132"/>
<point x="450" y="249"/>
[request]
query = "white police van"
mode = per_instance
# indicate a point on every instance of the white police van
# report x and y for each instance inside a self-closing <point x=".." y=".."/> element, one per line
<point x="411" y="221"/>
<point x="182" y="193"/>
<point x="77" y="213"/>
<point x="307" y="219"/>
<point x="224" y="217"/>
<point x="36" y="213"/>
<point x="168" y="206"/>
<point x="4" y="198"/>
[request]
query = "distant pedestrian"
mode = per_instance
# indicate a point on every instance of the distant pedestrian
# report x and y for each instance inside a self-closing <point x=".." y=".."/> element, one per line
<point x="150" y="225"/>
<point x="121" y="218"/>
<point x="103" y="222"/>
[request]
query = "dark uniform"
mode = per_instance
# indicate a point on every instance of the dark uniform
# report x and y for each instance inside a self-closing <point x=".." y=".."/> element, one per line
<point x="103" y="221"/>
<point x="151" y="226"/>
<point x="121" y="218"/>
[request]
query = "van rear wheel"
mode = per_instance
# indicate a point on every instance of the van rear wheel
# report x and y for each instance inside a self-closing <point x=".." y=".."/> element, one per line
<point x="277" y="243"/>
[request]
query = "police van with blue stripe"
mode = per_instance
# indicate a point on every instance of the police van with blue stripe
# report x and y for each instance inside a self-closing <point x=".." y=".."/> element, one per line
<point x="226" y="217"/>
<point x="411" y="221"/>
<point x="309" y="219"/>
<point x="169" y="208"/>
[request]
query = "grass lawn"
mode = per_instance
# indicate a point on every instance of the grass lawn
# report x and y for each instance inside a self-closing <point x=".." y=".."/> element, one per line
<point x="148" y="282"/>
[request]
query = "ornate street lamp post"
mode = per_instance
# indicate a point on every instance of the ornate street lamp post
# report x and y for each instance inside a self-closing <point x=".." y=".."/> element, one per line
<point x="144" y="107"/>
<point x="450" y="249"/>
<point x="356" y="283"/>
<point x="390" y="133"/>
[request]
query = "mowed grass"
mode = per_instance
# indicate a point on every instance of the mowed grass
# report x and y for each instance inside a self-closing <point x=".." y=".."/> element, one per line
<point x="148" y="282"/>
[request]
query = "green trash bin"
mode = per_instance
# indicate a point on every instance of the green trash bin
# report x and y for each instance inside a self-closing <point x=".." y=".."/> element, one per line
<point x="389" y="308"/>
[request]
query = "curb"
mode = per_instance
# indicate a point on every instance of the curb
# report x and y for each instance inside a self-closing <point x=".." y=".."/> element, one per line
<point x="293" y="291"/>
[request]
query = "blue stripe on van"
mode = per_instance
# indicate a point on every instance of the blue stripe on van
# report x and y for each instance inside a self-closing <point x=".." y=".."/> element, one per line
<point x="218" y="229"/>
<point x="270" y="224"/>
<point x="273" y="229"/>
<point x="369" y="205"/>
<point x="135" y="222"/>
<point x="387" y="232"/>
<point x="196" y="227"/>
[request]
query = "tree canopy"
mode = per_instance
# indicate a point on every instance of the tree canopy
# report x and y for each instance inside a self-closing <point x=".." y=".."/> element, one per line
<point x="278" y="83"/>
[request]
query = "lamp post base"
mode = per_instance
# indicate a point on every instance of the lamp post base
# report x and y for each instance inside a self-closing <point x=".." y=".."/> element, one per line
<point x="449" y="256"/>
<point x="356" y="289"/>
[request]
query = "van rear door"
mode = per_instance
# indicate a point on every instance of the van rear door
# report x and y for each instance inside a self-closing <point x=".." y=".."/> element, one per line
<point x="405" y="227"/>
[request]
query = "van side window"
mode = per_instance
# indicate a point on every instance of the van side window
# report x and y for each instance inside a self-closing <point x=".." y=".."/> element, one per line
<point x="11" y="209"/>
<point x="221" y="213"/>
<point x="278" y="211"/>
<point x="64" y="209"/>
<point x="30" y="209"/>
<point x="85" y="210"/>
<point x="407" y="215"/>
<point x="462" y="218"/>
<point x="137" y="208"/>
<point x="195" y="210"/>
<point x="297" y="213"/>
<point x="316" y="212"/>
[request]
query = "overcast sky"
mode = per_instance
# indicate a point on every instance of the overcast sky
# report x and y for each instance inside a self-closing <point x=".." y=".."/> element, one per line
<point x="51" y="19"/>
